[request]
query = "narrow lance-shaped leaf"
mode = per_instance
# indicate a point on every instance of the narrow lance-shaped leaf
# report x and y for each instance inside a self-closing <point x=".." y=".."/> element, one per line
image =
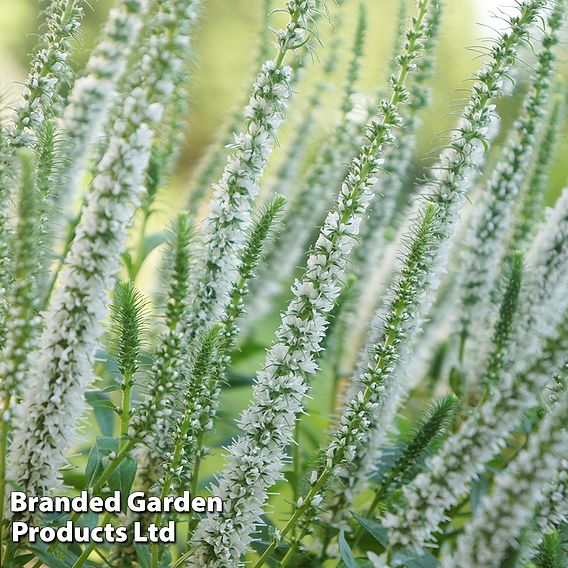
<point x="508" y="313"/>
<point x="550" y="553"/>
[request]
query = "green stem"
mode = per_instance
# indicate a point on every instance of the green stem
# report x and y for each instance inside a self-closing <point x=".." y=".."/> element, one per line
<point x="298" y="513"/>
<point x="139" y="255"/>
<point x="334" y="389"/>
<point x="296" y="460"/>
<point x="125" y="410"/>
<point x="197" y="463"/>
<point x="169" y="480"/>
<point x="379" y="496"/>
<point x="122" y="454"/>
<point x="91" y="546"/>
<point x="3" y="447"/>
<point x="293" y="548"/>
<point x="98" y="485"/>
<point x="9" y="554"/>
<point x="71" y="229"/>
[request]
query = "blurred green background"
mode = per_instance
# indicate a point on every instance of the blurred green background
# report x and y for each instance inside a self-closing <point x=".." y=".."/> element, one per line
<point x="225" y="50"/>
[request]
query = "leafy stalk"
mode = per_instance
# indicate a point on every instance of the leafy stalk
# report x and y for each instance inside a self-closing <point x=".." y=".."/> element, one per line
<point x="282" y="383"/>
<point x="437" y="419"/>
<point x="503" y="332"/>
<point x="532" y="203"/>
<point x="491" y="225"/>
<point x="128" y="317"/>
<point x="23" y="322"/>
<point x="550" y="553"/>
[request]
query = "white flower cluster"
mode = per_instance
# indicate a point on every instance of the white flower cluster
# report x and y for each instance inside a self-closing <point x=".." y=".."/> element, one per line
<point x="49" y="66"/>
<point x="295" y="34"/>
<point x="306" y="211"/>
<point x="450" y="180"/>
<point x="256" y="458"/>
<point x="63" y="369"/>
<point x="507" y="511"/>
<point x="22" y="321"/>
<point x="553" y="511"/>
<point x="92" y="94"/>
<point x="483" y="434"/>
<point x="234" y="194"/>
<point x="491" y="224"/>
<point x="544" y="306"/>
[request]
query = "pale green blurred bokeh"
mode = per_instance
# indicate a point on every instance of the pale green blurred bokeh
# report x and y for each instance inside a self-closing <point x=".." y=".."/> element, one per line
<point x="225" y="56"/>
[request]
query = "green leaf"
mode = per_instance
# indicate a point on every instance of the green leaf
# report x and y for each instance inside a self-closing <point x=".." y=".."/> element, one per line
<point x="104" y="411"/>
<point x="23" y="559"/>
<point x="345" y="552"/>
<point x="457" y="382"/>
<point x="143" y="555"/>
<point x="88" y="519"/>
<point x="479" y="488"/>
<point x="378" y="532"/>
<point x="249" y="349"/>
<point x="238" y="380"/>
<point x="65" y="557"/>
<point x="152" y="242"/>
<point x="123" y="478"/>
<point x="102" y="447"/>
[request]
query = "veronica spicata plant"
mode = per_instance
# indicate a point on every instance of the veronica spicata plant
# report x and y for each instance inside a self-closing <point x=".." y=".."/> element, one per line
<point x="62" y="373"/>
<point x="410" y="410"/>
<point x="268" y="426"/>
